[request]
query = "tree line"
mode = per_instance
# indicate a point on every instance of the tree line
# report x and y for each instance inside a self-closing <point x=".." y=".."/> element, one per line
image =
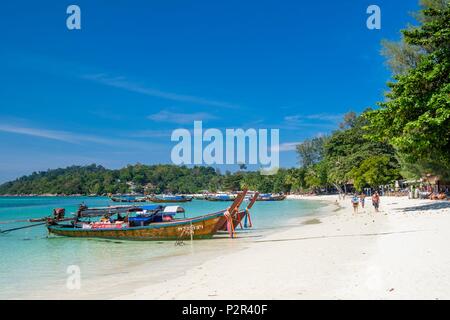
<point x="139" y="178"/>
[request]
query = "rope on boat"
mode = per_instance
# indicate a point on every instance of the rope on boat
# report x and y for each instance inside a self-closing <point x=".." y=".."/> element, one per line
<point x="13" y="221"/>
<point x="247" y="219"/>
<point x="230" y="226"/>
<point x="180" y="241"/>
<point x="240" y="221"/>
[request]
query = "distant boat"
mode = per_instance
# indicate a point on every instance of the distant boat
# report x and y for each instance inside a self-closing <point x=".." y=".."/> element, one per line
<point x="271" y="197"/>
<point x="200" y="196"/>
<point x="221" y="197"/>
<point x="128" y="199"/>
<point x="169" y="199"/>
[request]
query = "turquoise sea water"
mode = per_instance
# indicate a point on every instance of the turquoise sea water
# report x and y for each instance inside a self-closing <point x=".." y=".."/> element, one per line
<point x="31" y="262"/>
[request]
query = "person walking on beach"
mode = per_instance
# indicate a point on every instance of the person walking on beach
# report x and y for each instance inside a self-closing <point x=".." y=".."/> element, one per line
<point x="355" y="203"/>
<point x="362" y="199"/>
<point x="376" y="201"/>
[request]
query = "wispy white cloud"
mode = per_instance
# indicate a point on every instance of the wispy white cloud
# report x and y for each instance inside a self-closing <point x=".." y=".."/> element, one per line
<point x="285" y="147"/>
<point x="324" y="121"/>
<point x="123" y="83"/>
<point x="71" y="137"/>
<point x="150" y="134"/>
<point x="323" y="117"/>
<point x="180" y="118"/>
<point x="41" y="133"/>
<point x="104" y="114"/>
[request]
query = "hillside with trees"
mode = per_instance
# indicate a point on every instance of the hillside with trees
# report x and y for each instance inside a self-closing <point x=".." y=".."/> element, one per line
<point x="139" y="178"/>
<point x="95" y="179"/>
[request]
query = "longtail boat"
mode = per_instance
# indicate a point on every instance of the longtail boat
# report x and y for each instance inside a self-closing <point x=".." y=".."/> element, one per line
<point x="132" y="222"/>
<point x="201" y="227"/>
<point x="153" y="226"/>
<point x="169" y="199"/>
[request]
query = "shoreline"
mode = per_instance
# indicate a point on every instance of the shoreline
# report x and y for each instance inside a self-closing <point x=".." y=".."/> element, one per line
<point x="399" y="253"/>
<point x="119" y="281"/>
<point x="330" y="253"/>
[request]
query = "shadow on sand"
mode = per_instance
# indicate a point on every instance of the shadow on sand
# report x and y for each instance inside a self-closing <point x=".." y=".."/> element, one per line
<point x="342" y="236"/>
<point x="431" y="206"/>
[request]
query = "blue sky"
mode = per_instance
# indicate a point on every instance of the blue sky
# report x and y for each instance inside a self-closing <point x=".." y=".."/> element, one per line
<point x="112" y="92"/>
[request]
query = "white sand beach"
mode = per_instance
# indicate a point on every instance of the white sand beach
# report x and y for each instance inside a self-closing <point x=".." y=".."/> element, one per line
<point x="402" y="252"/>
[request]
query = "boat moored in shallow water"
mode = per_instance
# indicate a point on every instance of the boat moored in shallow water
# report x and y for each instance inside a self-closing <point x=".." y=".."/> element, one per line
<point x="154" y="222"/>
<point x="201" y="227"/>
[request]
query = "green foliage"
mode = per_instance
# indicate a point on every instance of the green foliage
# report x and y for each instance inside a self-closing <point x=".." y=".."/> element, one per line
<point x="294" y="179"/>
<point x="343" y="156"/>
<point x="400" y="56"/>
<point x="416" y="117"/>
<point x="317" y="176"/>
<point x="374" y="171"/>
<point x="311" y="151"/>
<point x="95" y="179"/>
<point x="346" y="149"/>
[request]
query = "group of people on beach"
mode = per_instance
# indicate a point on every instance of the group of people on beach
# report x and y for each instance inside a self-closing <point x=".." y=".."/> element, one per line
<point x="361" y="200"/>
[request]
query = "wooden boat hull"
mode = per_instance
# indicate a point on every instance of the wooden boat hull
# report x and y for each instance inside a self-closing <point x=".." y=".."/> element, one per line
<point x="202" y="227"/>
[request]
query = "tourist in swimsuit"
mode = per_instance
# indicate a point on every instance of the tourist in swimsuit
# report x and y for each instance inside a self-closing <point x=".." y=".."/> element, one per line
<point x="355" y="203"/>
<point x="362" y="199"/>
<point x="376" y="201"/>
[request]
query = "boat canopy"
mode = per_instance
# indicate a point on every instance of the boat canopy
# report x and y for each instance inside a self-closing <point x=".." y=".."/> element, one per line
<point x="173" y="209"/>
<point x="97" y="212"/>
